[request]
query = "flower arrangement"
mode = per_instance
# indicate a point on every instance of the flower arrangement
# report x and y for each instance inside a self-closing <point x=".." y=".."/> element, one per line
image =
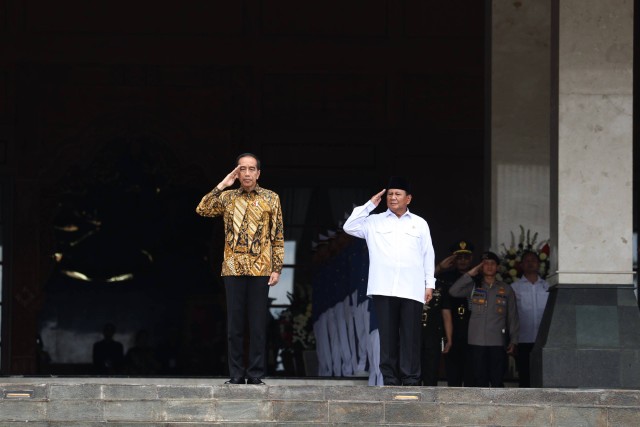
<point x="509" y="269"/>
<point x="296" y="328"/>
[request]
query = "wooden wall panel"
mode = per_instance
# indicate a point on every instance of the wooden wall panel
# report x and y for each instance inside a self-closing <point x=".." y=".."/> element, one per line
<point x="328" y="99"/>
<point x="4" y="95"/>
<point x="4" y="12"/>
<point x="134" y="17"/>
<point x="332" y="18"/>
<point x="326" y="156"/>
<point x="437" y="18"/>
<point x="444" y="101"/>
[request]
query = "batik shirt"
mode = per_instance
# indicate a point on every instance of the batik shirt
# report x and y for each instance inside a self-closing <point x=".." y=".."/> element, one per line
<point x="254" y="233"/>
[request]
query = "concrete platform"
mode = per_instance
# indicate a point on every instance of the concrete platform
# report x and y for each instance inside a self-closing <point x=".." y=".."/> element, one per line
<point x="91" y="401"/>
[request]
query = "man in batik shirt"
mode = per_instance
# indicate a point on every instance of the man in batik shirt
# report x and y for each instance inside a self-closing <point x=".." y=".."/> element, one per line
<point x="253" y="258"/>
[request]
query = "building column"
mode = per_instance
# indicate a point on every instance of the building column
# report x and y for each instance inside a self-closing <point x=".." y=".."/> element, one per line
<point x="589" y="335"/>
<point x="520" y="105"/>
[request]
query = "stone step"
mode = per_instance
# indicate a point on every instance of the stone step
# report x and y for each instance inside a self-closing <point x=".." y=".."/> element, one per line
<point x="207" y="401"/>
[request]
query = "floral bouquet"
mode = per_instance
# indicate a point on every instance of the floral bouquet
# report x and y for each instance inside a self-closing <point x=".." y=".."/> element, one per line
<point x="509" y="269"/>
<point x="296" y="327"/>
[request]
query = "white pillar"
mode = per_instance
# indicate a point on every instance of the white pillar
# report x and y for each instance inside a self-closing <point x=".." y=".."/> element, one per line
<point x="520" y="112"/>
<point x="589" y="332"/>
<point x="592" y="166"/>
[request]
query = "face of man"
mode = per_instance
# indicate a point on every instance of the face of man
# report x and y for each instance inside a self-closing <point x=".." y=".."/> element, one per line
<point x="248" y="173"/>
<point x="463" y="262"/>
<point x="530" y="264"/>
<point x="489" y="267"/>
<point x="398" y="200"/>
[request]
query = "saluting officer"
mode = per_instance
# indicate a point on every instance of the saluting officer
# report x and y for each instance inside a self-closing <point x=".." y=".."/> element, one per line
<point x="494" y="325"/>
<point x="457" y="360"/>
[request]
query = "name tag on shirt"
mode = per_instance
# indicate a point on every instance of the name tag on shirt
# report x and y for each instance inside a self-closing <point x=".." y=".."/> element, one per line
<point x="479" y="297"/>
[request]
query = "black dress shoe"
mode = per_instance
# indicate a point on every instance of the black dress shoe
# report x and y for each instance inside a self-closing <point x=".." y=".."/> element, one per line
<point x="235" y="381"/>
<point x="255" y="381"/>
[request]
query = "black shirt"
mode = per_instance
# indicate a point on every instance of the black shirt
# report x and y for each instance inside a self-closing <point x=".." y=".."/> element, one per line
<point x="460" y="312"/>
<point x="432" y="322"/>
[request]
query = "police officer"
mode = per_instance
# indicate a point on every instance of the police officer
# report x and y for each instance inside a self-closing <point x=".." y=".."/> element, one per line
<point x="436" y="333"/>
<point x="457" y="361"/>
<point x="494" y="325"/>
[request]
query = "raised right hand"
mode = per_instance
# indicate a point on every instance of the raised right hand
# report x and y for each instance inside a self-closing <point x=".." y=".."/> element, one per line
<point x="377" y="198"/>
<point x="229" y="179"/>
<point x="448" y="262"/>
<point x="475" y="270"/>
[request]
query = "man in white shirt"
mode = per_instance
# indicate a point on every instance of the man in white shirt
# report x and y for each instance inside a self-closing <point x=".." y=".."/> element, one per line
<point x="401" y="268"/>
<point x="532" y="293"/>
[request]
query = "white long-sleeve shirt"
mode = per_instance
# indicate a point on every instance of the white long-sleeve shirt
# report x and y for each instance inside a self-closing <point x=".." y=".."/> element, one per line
<point x="531" y="299"/>
<point x="401" y="257"/>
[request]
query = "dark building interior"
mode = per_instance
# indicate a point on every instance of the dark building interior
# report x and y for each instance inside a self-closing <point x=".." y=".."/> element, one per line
<point x="117" y="117"/>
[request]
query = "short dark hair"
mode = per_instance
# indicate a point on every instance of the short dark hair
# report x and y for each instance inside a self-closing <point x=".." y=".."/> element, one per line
<point x="529" y="252"/>
<point x="248" y="155"/>
<point x="491" y="256"/>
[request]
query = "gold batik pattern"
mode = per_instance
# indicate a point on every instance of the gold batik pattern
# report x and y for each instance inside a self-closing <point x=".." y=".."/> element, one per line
<point x="254" y="232"/>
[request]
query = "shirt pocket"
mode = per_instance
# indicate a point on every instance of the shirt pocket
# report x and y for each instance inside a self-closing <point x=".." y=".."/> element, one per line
<point x="411" y="241"/>
<point x="501" y="304"/>
<point x="411" y="231"/>
<point x="385" y="234"/>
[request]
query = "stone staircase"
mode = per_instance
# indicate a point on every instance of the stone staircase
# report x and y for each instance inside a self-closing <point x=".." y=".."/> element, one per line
<point x="167" y="402"/>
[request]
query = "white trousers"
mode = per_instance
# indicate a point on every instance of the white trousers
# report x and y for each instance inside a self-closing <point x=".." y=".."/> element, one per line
<point x="373" y="352"/>
<point x="334" y="341"/>
<point x="323" y="346"/>
<point x="343" y="336"/>
<point x="361" y="320"/>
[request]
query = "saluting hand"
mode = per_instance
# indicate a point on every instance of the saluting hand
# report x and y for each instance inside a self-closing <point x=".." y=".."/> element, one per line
<point x="229" y="179"/>
<point x="475" y="270"/>
<point x="447" y="263"/>
<point x="377" y="198"/>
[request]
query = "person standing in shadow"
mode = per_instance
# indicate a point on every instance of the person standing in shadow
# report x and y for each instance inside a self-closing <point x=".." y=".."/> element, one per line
<point x="108" y="354"/>
<point x="458" y="359"/>
<point x="141" y="358"/>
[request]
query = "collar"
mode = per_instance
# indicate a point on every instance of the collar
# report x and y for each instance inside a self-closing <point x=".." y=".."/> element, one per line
<point x="540" y="281"/>
<point x="257" y="190"/>
<point x="407" y="214"/>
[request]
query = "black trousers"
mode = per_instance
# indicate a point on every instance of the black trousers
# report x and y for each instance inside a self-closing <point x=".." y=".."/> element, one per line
<point x="489" y="365"/>
<point x="399" y="328"/>
<point x="523" y="360"/>
<point x="458" y="365"/>
<point x="430" y="366"/>
<point x="247" y="297"/>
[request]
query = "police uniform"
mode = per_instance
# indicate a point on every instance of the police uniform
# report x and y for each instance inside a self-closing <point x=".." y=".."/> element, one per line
<point x="493" y="325"/>
<point x="433" y="333"/>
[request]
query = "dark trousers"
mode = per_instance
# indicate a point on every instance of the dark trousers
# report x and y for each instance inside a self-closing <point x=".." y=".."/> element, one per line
<point x="457" y="363"/>
<point x="399" y="328"/>
<point x="430" y="367"/>
<point x="247" y="297"/>
<point x="523" y="364"/>
<point x="489" y="364"/>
